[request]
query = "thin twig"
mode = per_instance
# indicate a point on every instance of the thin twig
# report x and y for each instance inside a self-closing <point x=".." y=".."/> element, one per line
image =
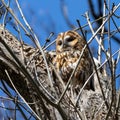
<point x="11" y="12"/>
<point x="23" y="15"/>
<point x="63" y="85"/>
<point x="21" y="66"/>
<point x="111" y="13"/>
<point x="90" y="40"/>
<point x="20" y="95"/>
<point x="9" y="94"/>
<point x="93" y="74"/>
<point x="53" y="42"/>
<point x="70" y="78"/>
<point x="118" y="58"/>
<point x="36" y="41"/>
<point x="94" y="65"/>
<point x="48" y="40"/>
<point x="28" y="76"/>
<point x="21" y="42"/>
<point x="41" y="86"/>
<point x="101" y="38"/>
<point x="117" y="106"/>
<point x="6" y="12"/>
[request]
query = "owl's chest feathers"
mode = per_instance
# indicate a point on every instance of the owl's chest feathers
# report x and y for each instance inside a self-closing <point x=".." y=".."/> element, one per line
<point x="66" y="62"/>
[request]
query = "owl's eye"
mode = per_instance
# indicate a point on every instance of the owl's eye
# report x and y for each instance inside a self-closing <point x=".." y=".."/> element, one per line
<point x="59" y="42"/>
<point x="70" y="39"/>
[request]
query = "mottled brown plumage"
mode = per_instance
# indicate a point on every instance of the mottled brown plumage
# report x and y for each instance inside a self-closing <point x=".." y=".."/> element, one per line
<point x="68" y="49"/>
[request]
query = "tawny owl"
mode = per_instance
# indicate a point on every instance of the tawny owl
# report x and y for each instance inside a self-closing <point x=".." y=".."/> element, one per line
<point x="68" y="49"/>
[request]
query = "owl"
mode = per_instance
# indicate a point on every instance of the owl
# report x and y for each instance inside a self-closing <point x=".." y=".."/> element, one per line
<point x="68" y="50"/>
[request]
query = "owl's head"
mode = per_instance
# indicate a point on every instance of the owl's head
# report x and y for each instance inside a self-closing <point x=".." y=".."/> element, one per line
<point x="68" y="41"/>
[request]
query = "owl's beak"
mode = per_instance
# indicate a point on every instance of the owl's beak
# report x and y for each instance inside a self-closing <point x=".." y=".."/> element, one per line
<point x="66" y="48"/>
<point x="64" y="45"/>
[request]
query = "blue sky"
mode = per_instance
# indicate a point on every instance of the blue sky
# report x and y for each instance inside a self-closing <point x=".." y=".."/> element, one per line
<point x="47" y="13"/>
<point x="45" y="16"/>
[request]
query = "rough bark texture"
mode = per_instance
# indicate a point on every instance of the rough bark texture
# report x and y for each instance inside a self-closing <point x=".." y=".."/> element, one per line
<point x="28" y="73"/>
